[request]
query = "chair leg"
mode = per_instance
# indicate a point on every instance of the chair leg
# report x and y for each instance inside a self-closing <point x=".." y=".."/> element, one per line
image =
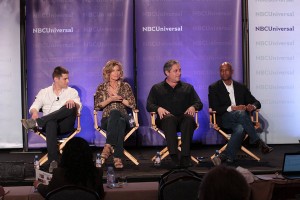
<point x="243" y="149"/>
<point x="165" y="154"/>
<point x="220" y="151"/>
<point x="162" y="152"/>
<point x="250" y="153"/>
<point x="44" y="159"/>
<point x="194" y="159"/>
<point x="128" y="155"/>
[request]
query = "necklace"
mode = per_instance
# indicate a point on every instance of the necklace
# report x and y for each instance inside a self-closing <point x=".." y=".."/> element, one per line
<point x="115" y="87"/>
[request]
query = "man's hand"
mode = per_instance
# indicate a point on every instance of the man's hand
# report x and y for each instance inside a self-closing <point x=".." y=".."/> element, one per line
<point x="239" y="107"/>
<point x="162" y="112"/>
<point x="190" y="111"/>
<point x="70" y="104"/>
<point x="34" y="115"/>
<point x="250" y="107"/>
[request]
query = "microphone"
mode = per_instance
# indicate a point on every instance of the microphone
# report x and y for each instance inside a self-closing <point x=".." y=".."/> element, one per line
<point x="57" y="98"/>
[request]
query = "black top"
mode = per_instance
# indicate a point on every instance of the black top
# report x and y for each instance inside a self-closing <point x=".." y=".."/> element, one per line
<point x="176" y="100"/>
<point x="58" y="180"/>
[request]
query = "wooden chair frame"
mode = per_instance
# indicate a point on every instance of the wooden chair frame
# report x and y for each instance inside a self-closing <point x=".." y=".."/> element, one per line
<point x="62" y="141"/>
<point x="213" y="123"/>
<point x="103" y="132"/>
<point x="165" y="152"/>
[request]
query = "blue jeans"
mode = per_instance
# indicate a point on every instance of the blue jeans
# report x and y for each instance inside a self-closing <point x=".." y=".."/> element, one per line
<point x="240" y="123"/>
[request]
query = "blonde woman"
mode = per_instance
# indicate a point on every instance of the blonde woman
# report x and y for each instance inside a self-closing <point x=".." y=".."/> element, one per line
<point x="113" y="97"/>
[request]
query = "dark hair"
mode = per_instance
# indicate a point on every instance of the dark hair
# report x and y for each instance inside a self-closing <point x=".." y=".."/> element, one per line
<point x="77" y="161"/>
<point x="224" y="183"/>
<point x="168" y="65"/>
<point x="59" y="71"/>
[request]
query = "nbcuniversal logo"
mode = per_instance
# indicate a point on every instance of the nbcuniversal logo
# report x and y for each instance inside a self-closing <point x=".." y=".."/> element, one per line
<point x="52" y="30"/>
<point x="161" y="29"/>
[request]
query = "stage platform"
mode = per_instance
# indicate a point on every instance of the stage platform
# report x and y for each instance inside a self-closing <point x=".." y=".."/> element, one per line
<point x="16" y="166"/>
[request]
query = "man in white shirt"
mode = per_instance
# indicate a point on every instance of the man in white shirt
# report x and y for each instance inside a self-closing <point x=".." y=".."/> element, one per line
<point x="231" y="101"/>
<point x="60" y="105"/>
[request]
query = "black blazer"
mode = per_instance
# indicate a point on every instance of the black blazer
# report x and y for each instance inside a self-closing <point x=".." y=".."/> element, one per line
<point x="219" y="99"/>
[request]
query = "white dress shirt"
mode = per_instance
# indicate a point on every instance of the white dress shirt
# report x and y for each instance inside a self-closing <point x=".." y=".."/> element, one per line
<point x="50" y="102"/>
<point x="230" y="91"/>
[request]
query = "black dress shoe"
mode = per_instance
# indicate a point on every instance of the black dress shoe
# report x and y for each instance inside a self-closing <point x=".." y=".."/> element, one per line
<point x="175" y="161"/>
<point x="216" y="161"/>
<point x="185" y="162"/>
<point x="264" y="148"/>
<point x="229" y="161"/>
<point x="222" y="158"/>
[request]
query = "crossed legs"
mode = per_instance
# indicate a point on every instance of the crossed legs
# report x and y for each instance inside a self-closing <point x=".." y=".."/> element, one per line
<point x="240" y="123"/>
<point x="58" y="122"/>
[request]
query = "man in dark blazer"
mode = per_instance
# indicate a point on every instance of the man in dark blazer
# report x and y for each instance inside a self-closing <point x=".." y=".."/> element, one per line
<point x="231" y="101"/>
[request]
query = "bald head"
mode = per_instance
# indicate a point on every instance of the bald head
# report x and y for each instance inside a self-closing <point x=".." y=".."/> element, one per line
<point x="226" y="72"/>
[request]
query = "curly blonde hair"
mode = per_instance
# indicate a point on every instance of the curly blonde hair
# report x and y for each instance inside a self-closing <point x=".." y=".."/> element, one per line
<point x="108" y="68"/>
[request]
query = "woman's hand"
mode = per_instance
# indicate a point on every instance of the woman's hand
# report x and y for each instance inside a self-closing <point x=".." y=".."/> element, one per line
<point x="115" y="98"/>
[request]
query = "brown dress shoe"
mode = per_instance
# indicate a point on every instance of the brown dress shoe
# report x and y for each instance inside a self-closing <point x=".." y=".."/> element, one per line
<point x="29" y="124"/>
<point x="264" y="148"/>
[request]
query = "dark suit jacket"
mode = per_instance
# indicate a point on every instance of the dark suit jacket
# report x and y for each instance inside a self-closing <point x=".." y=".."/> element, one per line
<point x="219" y="99"/>
<point x="58" y="180"/>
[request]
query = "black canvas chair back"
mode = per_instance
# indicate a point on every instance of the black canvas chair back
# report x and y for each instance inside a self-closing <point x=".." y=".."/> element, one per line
<point x="179" y="184"/>
<point x="72" y="192"/>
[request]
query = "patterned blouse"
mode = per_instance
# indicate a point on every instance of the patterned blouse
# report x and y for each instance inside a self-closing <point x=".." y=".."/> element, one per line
<point x="124" y="91"/>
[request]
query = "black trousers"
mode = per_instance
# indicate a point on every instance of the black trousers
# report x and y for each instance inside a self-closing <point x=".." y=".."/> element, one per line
<point x="59" y="122"/>
<point x="170" y="125"/>
<point x="115" y="126"/>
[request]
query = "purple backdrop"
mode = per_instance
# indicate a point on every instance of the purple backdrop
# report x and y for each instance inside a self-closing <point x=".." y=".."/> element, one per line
<point x="200" y="35"/>
<point x="80" y="35"/>
<point x="83" y="34"/>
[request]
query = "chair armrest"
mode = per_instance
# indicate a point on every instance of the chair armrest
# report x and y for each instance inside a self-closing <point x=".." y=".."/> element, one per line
<point x="96" y="126"/>
<point x="78" y="122"/>
<point x="212" y="116"/>
<point x="153" y="117"/>
<point x="254" y="118"/>
<point x="196" y="119"/>
<point x="135" y="116"/>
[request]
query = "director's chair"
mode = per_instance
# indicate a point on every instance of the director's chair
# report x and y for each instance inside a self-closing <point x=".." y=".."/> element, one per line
<point x="127" y="135"/>
<point x="226" y="133"/>
<point x="61" y="139"/>
<point x="165" y="152"/>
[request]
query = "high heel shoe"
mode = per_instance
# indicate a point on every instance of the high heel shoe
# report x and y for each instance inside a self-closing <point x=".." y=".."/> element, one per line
<point x="118" y="163"/>
<point x="107" y="151"/>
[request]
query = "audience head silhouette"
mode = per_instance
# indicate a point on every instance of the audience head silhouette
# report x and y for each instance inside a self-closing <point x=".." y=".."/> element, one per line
<point x="224" y="183"/>
<point x="77" y="160"/>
